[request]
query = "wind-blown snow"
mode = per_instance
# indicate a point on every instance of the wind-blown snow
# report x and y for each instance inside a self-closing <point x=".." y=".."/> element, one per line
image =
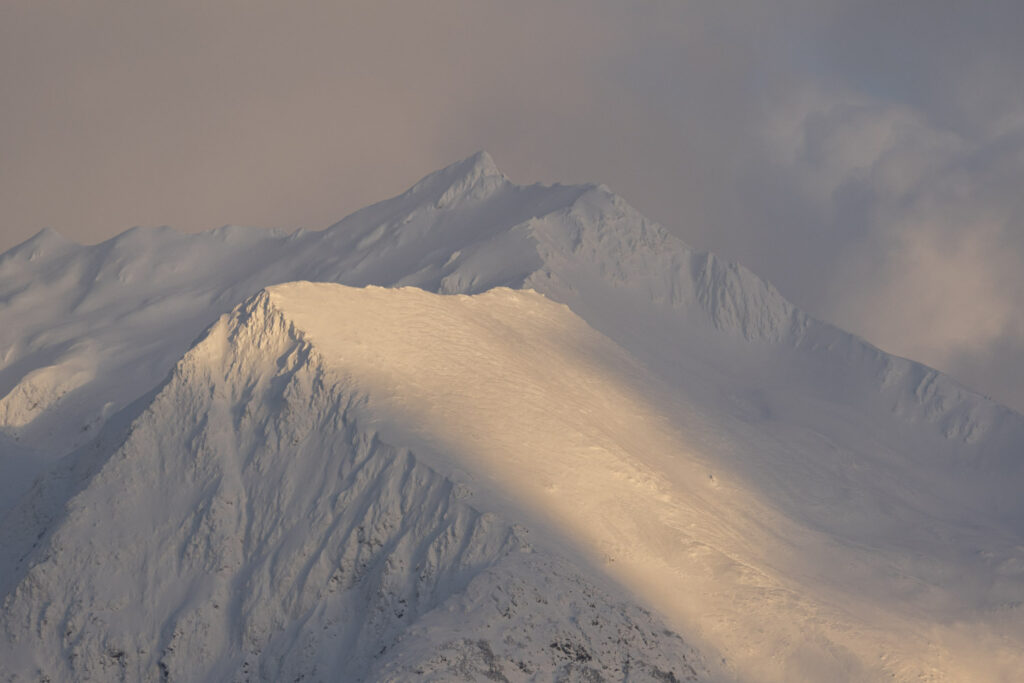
<point x="787" y="496"/>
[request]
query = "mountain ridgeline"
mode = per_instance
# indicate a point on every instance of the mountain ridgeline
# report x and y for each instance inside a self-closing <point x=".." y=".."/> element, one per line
<point x="99" y="325"/>
<point x="481" y="431"/>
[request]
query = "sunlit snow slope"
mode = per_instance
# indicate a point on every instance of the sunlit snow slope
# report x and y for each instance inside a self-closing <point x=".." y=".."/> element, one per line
<point x="790" y="499"/>
<point x="566" y="431"/>
<point x="253" y="523"/>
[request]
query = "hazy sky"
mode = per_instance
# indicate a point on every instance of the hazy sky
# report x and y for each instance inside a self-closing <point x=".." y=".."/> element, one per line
<point x="865" y="156"/>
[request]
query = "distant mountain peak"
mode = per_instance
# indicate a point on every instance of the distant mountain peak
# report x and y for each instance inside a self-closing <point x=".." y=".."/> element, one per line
<point x="474" y="177"/>
<point x="482" y="164"/>
<point x="40" y="244"/>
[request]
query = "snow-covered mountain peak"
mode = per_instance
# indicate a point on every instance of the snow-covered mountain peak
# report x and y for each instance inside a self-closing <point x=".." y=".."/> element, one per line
<point x="466" y="228"/>
<point x="600" y="238"/>
<point x="45" y="237"/>
<point x="471" y="178"/>
<point x="44" y="243"/>
<point x="130" y="305"/>
<point x="260" y="500"/>
<point x="481" y="163"/>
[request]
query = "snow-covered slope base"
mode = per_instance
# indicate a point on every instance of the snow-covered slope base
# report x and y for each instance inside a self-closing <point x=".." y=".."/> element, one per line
<point x="252" y="524"/>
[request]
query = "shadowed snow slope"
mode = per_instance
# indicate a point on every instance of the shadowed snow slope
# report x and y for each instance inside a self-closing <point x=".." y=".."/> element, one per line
<point x="341" y="482"/>
<point x="790" y="497"/>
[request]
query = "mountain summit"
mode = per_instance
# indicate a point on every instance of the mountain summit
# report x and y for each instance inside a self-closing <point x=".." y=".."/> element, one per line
<point x="262" y="519"/>
<point x="523" y="431"/>
<point x="470" y="178"/>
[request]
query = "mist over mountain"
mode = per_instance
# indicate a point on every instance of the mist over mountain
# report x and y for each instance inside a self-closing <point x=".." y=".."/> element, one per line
<point x="484" y="431"/>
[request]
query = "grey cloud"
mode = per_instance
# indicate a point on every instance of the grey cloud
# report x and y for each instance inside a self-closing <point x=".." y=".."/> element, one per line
<point x="913" y="232"/>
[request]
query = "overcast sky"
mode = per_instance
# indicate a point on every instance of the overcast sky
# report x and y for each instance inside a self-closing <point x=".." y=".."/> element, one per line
<point x="867" y="157"/>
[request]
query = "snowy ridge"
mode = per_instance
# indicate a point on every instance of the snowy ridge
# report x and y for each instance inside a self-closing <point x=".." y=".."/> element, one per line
<point x="917" y="394"/>
<point x="98" y="326"/>
<point x="43" y="244"/>
<point x="247" y="516"/>
<point x="736" y="299"/>
<point x="601" y="239"/>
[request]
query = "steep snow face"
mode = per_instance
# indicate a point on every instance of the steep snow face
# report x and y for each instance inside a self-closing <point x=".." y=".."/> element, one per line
<point x="252" y="523"/>
<point x="86" y="330"/>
